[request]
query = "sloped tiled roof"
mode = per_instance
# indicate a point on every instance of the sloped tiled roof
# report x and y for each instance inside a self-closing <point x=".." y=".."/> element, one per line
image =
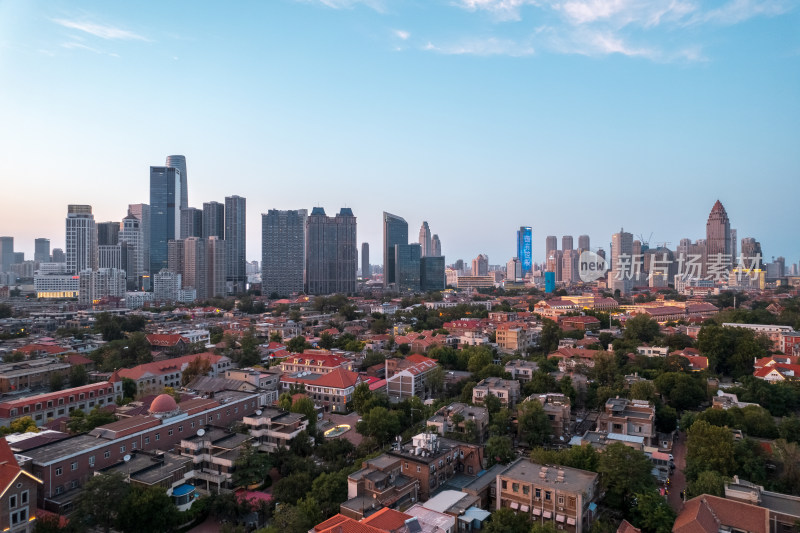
<point x="165" y="340"/>
<point x="167" y="366"/>
<point x="705" y="514"/>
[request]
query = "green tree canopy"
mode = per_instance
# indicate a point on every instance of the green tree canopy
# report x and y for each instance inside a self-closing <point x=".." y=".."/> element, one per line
<point x="709" y="448"/>
<point x="499" y="450"/>
<point x="533" y="424"/>
<point x="624" y="472"/>
<point x="92" y="506"/>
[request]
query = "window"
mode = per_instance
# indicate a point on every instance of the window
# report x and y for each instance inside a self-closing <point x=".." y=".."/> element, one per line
<point x="24" y="497"/>
<point x="538" y="494"/>
<point x="73" y="466"/>
<point x="147" y="440"/>
<point x="73" y="484"/>
<point x="59" y="471"/>
<point x="91" y="461"/>
<point x="12" y="502"/>
<point x="560" y="500"/>
<point x="526" y="489"/>
<point x="505" y="484"/>
<point x="107" y="454"/>
<point x="547" y="495"/>
<point x="419" y="469"/>
<point x="180" y="429"/>
<point x="133" y="445"/>
<point x="158" y="436"/>
<point x="169" y="432"/>
<point x="122" y="449"/>
<point x="59" y="490"/>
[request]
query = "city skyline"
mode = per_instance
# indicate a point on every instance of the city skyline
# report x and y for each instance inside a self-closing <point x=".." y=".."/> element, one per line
<point x="345" y="96"/>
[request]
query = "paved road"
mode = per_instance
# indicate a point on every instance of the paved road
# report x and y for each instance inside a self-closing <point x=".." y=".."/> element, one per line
<point x="678" y="479"/>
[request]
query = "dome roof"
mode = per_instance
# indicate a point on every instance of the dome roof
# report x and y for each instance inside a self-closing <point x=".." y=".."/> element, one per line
<point x="164" y="403"/>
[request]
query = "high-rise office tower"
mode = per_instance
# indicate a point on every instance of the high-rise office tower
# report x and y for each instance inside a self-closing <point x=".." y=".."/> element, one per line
<point x="395" y="231"/>
<point x="365" y="270"/>
<point x="59" y="256"/>
<point x="407" y="265"/>
<point x="191" y="222"/>
<point x="514" y="269"/>
<point x="525" y="249"/>
<point x="213" y="220"/>
<point x="236" y="241"/>
<point x="619" y="278"/>
<point x="751" y="253"/>
<point x="459" y="265"/>
<point x="431" y="273"/>
<point x="110" y="256"/>
<point x="6" y="253"/>
<point x="179" y="162"/>
<point x="583" y="243"/>
<point x="131" y="240"/>
<point x="283" y="248"/>
<point x="195" y="273"/>
<point x="436" y="246"/>
<point x="569" y="266"/>
<point x="41" y="250"/>
<point x="165" y="214"/>
<point x="81" y="239"/>
<point x="107" y="234"/>
<point x="175" y="256"/>
<point x="718" y="233"/>
<point x="217" y="267"/>
<point x="425" y="239"/>
<point x="142" y="213"/>
<point x="480" y="265"/>
<point x="734" y="245"/>
<point x="566" y="243"/>
<point x="550" y="244"/>
<point x="331" y="252"/>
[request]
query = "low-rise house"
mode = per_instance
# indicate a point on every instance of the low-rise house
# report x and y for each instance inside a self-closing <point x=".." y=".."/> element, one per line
<point x="581" y="323"/>
<point x="379" y="483"/>
<point x="18" y="494"/>
<point x="213" y="453"/>
<point x="274" y="429"/>
<point x="784" y="509"/>
<point x="44" y="407"/>
<point x="516" y="336"/>
<point x="653" y="351"/>
<point x="407" y="377"/>
<point x="507" y="390"/>
<point x="461" y="419"/>
<point x="558" y="408"/>
<point x="521" y="370"/>
<point x="151" y="378"/>
<point x="629" y="417"/>
<point x="31" y="374"/>
<point x="315" y="361"/>
<point x="172" y="343"/>
<point x="331" y="391"/>
<point x="712" y="514"/>
<point x="565" y="497"/>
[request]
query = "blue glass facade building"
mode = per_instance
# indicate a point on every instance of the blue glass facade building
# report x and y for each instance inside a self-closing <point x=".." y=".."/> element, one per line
<point x="525" y="249"/>
<point x="165" y="213"/>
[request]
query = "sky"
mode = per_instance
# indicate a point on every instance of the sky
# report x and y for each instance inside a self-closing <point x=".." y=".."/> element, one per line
<point x="479" y="116"/>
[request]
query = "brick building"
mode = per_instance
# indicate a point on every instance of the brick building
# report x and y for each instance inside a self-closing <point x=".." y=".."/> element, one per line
<point x="507" y="390"/>
<point x="629" y="417"/>
<point x="32" y="374"/>
<point x="59" y="404"/>
<point x="19" y="494"/>
<point x="151" y="378"/>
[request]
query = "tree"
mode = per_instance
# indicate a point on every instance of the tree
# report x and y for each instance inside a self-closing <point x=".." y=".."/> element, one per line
<point x="643" y="390"/>
<point x="789" y="429"/>
<point x="92" y="506"/>
<point x="533" y="424"/>
<point x="507" y="521"/>
<point x="249" y="354"/>
<point x="326" y="341"/>
<point x="251" y="467"/>
<point x="380" y="424"/>
<point x="78" y="376"/>
<point x="306" y="406"/>
<point x="80" y="422"/>
<point x="788" y="453"/>
<point x="624" y="471"/>
<point x="651" y="513"/>
<point x="548" y="338"/>
<point x="275" y="336"/>
<point x="681" y="391"/>
<point x="329" y="490"/>
<point x="583" y="457"/>
<point x="492" y="403"/>
<point x="291" y="488"/>
<point x="709" y="448"/>
<point x="129" y="388"/>
<point x="708" y="482"/>
<point x="199" y="366"/>
<point x="499" y="450"/>
<point x="641" y="328"/>
<point x="480" y="356"/>
<point x="435" y="380"/>
<point x="146" y="509"/>
<point x="297" y="344"/>
<point x="56" y="381"/>
<point x="23" y="424"/>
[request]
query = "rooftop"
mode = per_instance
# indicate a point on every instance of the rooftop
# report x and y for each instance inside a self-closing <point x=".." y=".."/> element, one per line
<point x="572" y="479"/>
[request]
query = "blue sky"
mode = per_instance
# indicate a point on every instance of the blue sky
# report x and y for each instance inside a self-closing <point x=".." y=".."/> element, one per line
<point x="571" y="116"/>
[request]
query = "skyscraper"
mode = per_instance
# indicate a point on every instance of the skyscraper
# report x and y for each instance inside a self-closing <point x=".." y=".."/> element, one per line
<point x="213" y="220"/>
<point x="217" y="266"/>
<point x="619" y="277"/>
<point x="407" y="267"/>
<point x="525" y="249"/>
<point x="142" y="213"/>
<point x="718" y="234"/>
<point x="395" y="231"/>
<point x="283" y="251"/>
<point x="81" y="239"/>
<point x="107" y="234"/>
<point x="235" y="242"/>
<point x="41" y="250"/>
<point x="165" y="213"/>
<point x="550" y="244"/>
<point x="425" y="239"/>
<point x="751" y="253"/>
<point x="436" y="246"/>
<point x="6" y="253"/>
<point x="480" y="265"/>
<point x="132" y="240"/>
<point x="514" y="269"/>
<point x="331" y="252"/>
<point x="365" y="270"/>
<point x="59" y="256"/>
<point x="195" y="273"/>
<point x="566" y="243"/>
<point x="431" y="273"/>
<point x="583" y="243"/>
<point x="179" y="162"/>
<point x="191" y="222"/>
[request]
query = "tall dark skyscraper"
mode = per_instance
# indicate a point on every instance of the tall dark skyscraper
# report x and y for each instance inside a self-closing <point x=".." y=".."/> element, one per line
<point x="59" y="256"/>
<point x="425" y="239"/>
<point x="365" y="270"/>
<point x="179" y="162"/>
<point x="331" y="252"/>
<point x="213" y="220"/>
<point x="41" y="251"/>
<point x="235" y="243"/>
<point x="191" y="222"/>
<point x="6" y="253"/>
<point x="431" y="273"/>
<point x="718" y="234"/>
<point x="165" y="214"/>
<point x="107" y="233"/>
<point x="283" y="248"/>
<point x="566" y="242"/>
<point x="407" y="259"/>
<point x="583" y="243"/>
<point x="525" y="248"/>
<point x="395" y="231"/>
<point x="436" y="246"/>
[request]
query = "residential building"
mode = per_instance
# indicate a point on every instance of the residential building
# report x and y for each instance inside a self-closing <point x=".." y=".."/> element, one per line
<point x="331" y="252"/>
<point x="151" y="378"/>
<point x="41" y="251"/>
<point x="480" y="265"/>
<point x="217" y="279"/>
<point x="558" y="408"/>
<point x="142" y="213"/>
<point x="30" y="374"/>
<point x="407" y="377"/>
<point x="331" y="391"/>
<point x="165" y="214"/>
<point x="283" y="251"/>
<point x="521" y="370"/>
<point x="629" y="417"/>
<point x="235" y="244"/>
<point x="380" y="483"/>
<point x="131" y="239"/>
<point x="6" y="253"/>
<point x="191" y="222"/>
<point x="81" y="239"/>
<point x="463" y="419"/>
<point x="366" y="271"/>
<point x="562" y="496"/>
<point x="20" y="492"/>
<point x="213" y="220"/>
<point x="712" y="514"/>
<point x="49" y="406"/>
<point x="581" y="323"/>
<point x="274" y="429"/>
<point x="514" y="269"/>
<point x="516" y="336"/>
<point x="784" y="509"/>
<point x="506" y="390"/>
<point x="620" y="277"/>
<point x="96" y="285"/>
<point x="316" y="361"/>
<point x="395" y="231"/>
<point x="213" y="453"/>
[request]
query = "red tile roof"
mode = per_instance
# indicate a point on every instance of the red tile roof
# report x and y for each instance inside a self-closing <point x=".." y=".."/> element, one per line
<point x="42" y="348"/>
<point x="705" y="514"/>
<point x="77" y="359"/>
<point x="167" y="366"/>
<point x="387" y="519"/>
<point x="339" y="378"/>
<point x="165" y="341"/>
<point x="9" y="468"/>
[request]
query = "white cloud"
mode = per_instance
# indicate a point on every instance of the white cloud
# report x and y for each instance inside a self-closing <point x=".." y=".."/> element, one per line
<point x="377" y="5"/>
<point x="101" y="30"/>
<point x="501" y="9"/>
<point x="72" y="45"/>
<point x="620" y="13"/>
<point x="402" y="34"/>
<point x="484" y="47"/>
<point x="737" y="11"/>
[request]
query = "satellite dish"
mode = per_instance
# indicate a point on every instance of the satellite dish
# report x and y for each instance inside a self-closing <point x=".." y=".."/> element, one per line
<point x="259" y="412"/>
<point x="126" y="458"/>
<point x="201" y="432"/>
